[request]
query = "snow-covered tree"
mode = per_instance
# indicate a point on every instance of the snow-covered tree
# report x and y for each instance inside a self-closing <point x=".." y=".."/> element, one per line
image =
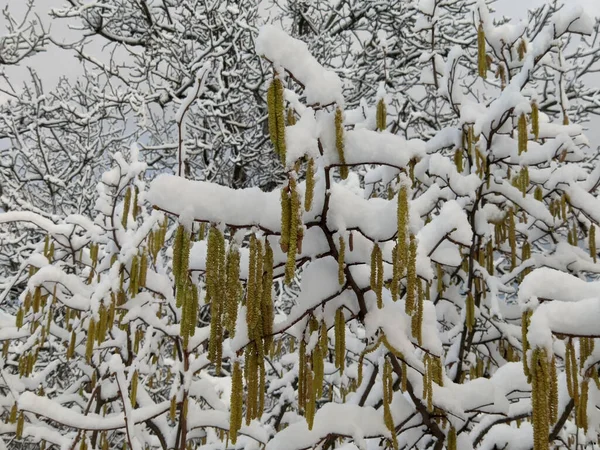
<point x="443" y="291"/>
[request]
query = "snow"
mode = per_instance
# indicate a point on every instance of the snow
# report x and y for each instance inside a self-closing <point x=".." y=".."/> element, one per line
<point x="217" y="204"/>
<point x="45" y="407"/>
<point x="353" y="421"/>
<point x="321" y="86"/>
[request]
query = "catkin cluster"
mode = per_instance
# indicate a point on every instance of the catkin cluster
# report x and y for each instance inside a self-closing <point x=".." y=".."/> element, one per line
<point x="156" y="239"/>
<point x="259" y="321"/>
<point x="259" y="303"/>
<point x="276" y="107"/>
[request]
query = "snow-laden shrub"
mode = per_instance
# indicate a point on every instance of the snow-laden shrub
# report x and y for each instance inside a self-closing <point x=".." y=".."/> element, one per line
<point x="440" y="290"/>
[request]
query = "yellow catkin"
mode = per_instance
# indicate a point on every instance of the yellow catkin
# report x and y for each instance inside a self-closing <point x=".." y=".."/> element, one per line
<point x="572" y="372"/>
<point x="381" y="115"/>
<point x="512" y="239"/>
<point x="236" y="401"/>
<point x="379" y="278"/>
<point x="173" y="408"/>
<point x="136" y="208"/>
<point x="522" y="133"/>
<point x="388" y="393"/>
<point x="553" y="394"/>
<point x="267" y="311"/>
<point x="311" y="400"/>
<point x="126" y="207"/>
<point x="134" y="387"/>
<point x="525" y="318"/>
<point x="458" y="160"/>
<point x="12" y="417"/>
<point x="411" y="277"/>
<point x="522" y="49"/>
<point x="301" y="374"/>
<point x="452" y="439"/>
<point x="251" y="372"/>
<point x="275" y="104"/>
<point x="318" y="370"/>
<point x="481" y="55"/>
<point x="310" y="184"/>
<point x="340" y="340"/>
<point x="102" y="326"/>
<point x="290" y="266"/>
<point x="143" y="268"/>
<point x="417" y="317"/>
<point x="540" y="375"/>
<point x="90" y="340"/>
<point x="284" y="240"/>
<point x="20" y="425"/>
<point x="581" y="413"/>
<point x="341" y="261"/>
<point x="592" y="242"/>
<point x="339" y="142"/>
<point x="181" y="256"/>
<point x="401" y="252"/>
<point x="535" y="120"/>
<point x="291" y="117"/>
<point x="233" y="288"/>
<point x="470" y="312"/>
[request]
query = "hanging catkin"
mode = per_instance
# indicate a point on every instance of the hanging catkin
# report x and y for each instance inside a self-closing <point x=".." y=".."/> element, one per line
<point x="295" y="216"/>
<point x="535" y="120"/>
<point x="592" y="242"/>
<point x="411" y="277"/>
<point x="267" y="297"/>
<point x="340" y="340"/>
<point x="339" y="142"/>
<point x="126" y="207"/>
<point x="215" y="291"/>
<point x="233" y="289"/>
<point x="341" y="261"/>
<point x="310" y="184"/>
<point x="381" y="115"/>
<point x="522" y="133"/>
<point x="481" y="55"/>
<point x="275" y="104"/>
<point x="540" y="386"/>
<point x="401" y="250"/>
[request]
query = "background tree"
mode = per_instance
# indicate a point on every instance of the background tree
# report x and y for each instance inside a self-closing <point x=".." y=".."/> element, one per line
<point x="448" y="308"/>
<point x="59" y="142"/>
